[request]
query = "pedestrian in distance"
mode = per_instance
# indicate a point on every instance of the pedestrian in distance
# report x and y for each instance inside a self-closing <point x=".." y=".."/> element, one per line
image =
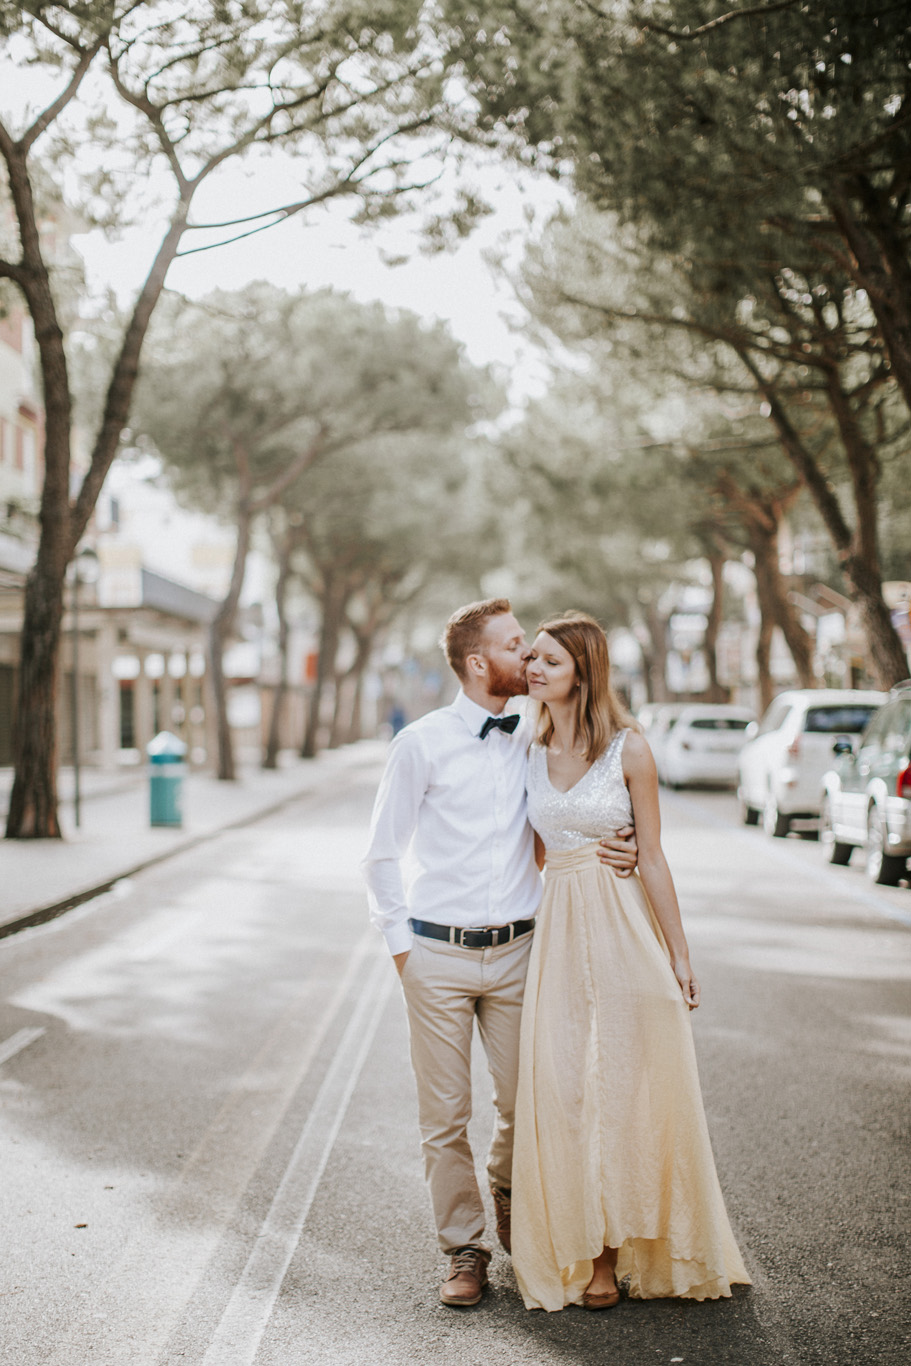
<point x="460" y="927"/>
<point x="613" y="1173"/>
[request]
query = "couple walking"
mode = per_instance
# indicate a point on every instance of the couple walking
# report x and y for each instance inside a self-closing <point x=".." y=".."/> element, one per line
<point x="600" y="1164"/>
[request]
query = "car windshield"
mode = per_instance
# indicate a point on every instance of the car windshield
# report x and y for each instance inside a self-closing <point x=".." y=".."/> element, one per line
<point x="719" y="723"/>
<point x="827" y="720"/>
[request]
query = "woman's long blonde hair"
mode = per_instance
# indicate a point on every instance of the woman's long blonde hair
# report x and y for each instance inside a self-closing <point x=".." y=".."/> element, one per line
<point x="599" y="711"/>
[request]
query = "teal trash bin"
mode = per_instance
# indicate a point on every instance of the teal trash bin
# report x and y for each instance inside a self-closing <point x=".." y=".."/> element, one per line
<point x="166" y="775"/>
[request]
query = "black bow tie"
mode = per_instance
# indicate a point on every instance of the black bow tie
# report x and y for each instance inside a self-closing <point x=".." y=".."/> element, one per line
<point x="507" y="723"/>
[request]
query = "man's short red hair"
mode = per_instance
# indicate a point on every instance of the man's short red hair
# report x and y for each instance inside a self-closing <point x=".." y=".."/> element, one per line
<point x="465" y="628"/>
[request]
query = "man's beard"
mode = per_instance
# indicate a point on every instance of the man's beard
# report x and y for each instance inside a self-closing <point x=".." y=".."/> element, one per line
<point x="506" y="683"/>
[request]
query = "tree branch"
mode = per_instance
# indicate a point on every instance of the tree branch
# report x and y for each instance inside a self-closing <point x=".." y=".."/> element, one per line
<point x="12" y="270"/>
<point x="685" y="35"/>
<point x="45" y="119"/>
<point x="284" y="481"/>
<point x="123" y="377"/>
<point x="349" y="183"/>
<point x="763" y="345"/>
<point x="153" y="114"/>
<point x="803" y="460"/>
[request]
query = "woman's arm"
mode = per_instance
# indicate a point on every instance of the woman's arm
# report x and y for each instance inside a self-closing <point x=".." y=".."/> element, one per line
<point x="642" y="780"/>
<point x="539" y="851"/>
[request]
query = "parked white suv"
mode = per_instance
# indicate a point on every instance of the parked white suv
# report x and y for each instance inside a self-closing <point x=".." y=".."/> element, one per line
<point x="783" y="762"/>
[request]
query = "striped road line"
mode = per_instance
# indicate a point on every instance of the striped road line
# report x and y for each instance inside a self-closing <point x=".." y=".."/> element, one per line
<point x="16" y="1042"/>
<point x="237" y="1338"/>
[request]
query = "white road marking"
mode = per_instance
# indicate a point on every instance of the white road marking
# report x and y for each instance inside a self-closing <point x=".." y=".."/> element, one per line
<point x="16" y="1042"/>
<point x="237" y="1338"/>
<point x="161" y="1266"/>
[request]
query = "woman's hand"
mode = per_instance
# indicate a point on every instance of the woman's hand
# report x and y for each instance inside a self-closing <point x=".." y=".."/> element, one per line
<point x="688" y="984"/>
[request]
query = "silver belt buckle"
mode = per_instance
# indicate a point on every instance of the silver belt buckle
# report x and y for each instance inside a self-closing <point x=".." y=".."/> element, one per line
<point x="468" y="929"/>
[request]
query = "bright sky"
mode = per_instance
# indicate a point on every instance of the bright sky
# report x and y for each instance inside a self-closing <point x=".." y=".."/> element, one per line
<point x="462" y="287"/>
<point x="322" y="248"/>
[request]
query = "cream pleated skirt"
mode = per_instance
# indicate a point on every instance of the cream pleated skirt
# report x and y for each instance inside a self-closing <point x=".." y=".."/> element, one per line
<point x="611" y="1146"/>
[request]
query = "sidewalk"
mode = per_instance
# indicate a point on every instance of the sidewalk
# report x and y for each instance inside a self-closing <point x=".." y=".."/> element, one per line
<point x="41" y="878"/>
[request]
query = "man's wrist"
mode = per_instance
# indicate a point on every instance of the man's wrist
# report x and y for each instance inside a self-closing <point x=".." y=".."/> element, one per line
<point x="399" y="938"/>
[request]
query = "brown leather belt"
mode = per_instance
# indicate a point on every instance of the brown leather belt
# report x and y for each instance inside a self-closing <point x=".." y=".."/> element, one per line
<point x="472" y="939"/>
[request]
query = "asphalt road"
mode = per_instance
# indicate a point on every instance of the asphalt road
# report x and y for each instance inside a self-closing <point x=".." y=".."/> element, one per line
<point x="208" y="1138"/>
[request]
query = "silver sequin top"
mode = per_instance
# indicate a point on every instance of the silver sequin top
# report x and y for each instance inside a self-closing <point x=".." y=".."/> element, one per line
<point x="598" y="804"/>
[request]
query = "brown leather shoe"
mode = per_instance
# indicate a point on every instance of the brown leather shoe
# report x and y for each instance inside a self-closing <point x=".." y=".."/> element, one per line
<point x="467" y="1279"/>
<point x="502" y="1203"/>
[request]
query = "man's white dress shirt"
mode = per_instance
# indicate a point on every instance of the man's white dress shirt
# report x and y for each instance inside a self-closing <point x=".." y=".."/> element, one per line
<point x="454" y="805"/>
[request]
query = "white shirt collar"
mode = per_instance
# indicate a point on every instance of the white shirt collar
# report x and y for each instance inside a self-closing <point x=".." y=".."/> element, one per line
<point x="473" y="715"/>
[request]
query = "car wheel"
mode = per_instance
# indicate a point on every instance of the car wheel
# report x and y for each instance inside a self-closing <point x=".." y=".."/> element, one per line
<point x="835" y="850"/>
<point x="774" y="822"/>
<point x="882" y="868"/>
<point x="749" y="815"/>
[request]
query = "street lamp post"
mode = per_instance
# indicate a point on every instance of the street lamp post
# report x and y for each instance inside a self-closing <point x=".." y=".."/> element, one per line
<point x="85" y="568"/>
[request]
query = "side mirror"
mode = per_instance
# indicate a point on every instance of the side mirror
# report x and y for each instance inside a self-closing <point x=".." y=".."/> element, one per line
<point x="843" y="746"/>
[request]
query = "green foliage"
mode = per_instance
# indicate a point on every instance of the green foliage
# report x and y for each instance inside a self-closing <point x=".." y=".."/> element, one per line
<point x="263" y="374"/>
<point x="588" y="519"/>
<point x="672" y="118"/>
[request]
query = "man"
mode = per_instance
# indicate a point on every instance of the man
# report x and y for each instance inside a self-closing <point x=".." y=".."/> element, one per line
<point x="453" y="797"/>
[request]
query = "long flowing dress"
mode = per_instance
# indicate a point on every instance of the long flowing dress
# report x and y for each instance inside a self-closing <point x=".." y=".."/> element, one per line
<point x="611" y="1145"/>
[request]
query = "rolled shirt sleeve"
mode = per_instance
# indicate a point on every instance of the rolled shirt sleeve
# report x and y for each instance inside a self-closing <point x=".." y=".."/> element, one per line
<point x="395" y="816"/>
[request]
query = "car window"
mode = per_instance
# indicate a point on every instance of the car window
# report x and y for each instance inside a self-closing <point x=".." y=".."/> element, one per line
<point x="848" y="718"/>
<point x="873" y="735"/>
<point x="897" y="728"/>
<point x="774" y="718"/>
<point x="719" y="723"/>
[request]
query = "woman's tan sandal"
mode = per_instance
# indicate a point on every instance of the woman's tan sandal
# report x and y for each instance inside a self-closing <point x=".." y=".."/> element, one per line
<point x="592" y="1300"/>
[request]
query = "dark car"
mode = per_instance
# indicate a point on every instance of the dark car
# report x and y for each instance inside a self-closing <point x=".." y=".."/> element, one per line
<point x="867" y="793"/>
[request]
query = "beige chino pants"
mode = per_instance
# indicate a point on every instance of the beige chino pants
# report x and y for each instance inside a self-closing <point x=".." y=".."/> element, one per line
<point x="446" y="988"/>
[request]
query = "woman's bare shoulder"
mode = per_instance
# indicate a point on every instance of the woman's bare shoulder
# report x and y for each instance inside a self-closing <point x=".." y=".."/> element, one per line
<point x="637" y="757"/>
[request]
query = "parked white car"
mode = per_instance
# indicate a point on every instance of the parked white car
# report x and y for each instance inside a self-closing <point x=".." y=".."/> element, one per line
<point x="704" y="744"/>
<point x="783" y="762"/>
<point x="658" y="720"/>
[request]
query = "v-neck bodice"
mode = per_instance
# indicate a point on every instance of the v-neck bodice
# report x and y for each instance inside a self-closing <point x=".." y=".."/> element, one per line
<point x="597" y="804"/>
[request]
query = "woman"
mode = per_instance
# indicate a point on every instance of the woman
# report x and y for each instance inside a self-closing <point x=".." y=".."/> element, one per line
<point x="613" y="1173"/>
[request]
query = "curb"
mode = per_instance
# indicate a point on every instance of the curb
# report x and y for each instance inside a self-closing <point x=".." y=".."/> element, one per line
<point x="54" y="909"/>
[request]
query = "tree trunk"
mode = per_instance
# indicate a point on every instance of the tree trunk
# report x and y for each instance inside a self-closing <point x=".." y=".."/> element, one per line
<point x="879" y="248"/>
<point x="858" y="553"/>
<point x="270" y="760"/>
<point x="655" y="656"/>
<point x="764" y="658"/>
<point x="717" y="560"/>
<point x="33" y="800"/>
<point x="774" y="604"/>
<point x="347" y="722"/>
<point x="219" y="634"/>
<point x="342" y="693"/>
<point x="860" y="559"/>
<point x="330" y="630"/>
<point x="890" y="663"/>
<point x="355" y="725"/>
